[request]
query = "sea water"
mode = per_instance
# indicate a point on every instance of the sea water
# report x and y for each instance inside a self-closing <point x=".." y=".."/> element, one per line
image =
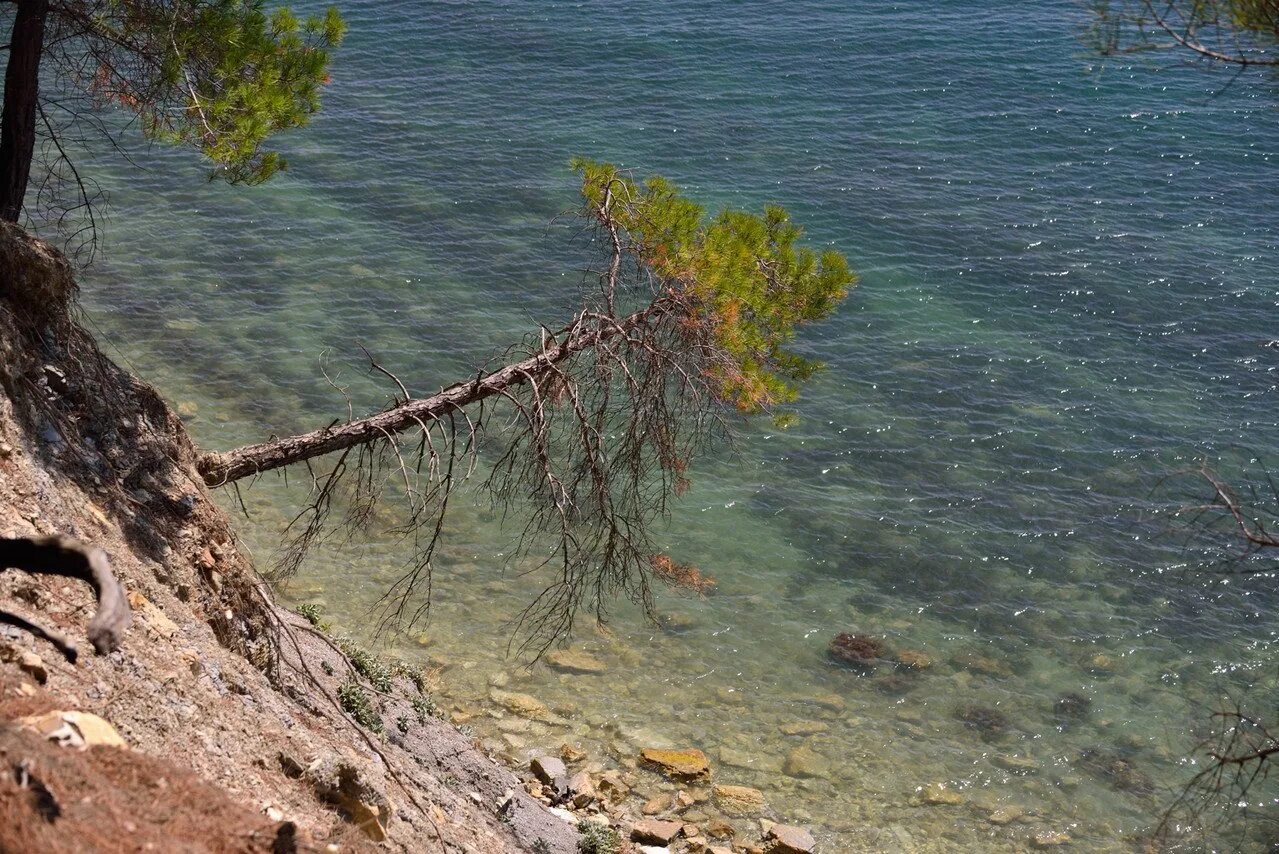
<point x="1068" y="274"/>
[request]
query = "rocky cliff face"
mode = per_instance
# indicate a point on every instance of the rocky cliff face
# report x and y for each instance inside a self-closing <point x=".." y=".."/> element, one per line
<point x="234" y="736"/>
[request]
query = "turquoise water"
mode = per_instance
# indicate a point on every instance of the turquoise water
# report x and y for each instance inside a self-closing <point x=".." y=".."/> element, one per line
<point x="1067" y="275"/>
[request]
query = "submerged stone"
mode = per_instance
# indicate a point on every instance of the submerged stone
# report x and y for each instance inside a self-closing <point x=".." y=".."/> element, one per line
<point x="803" y="761"/>
<point x="686" y="764"/>
<point x="739" y="800"/>
<point x="937" y="794"/>
<point x="858" y="651"/>
<point x="989" y="723"/>
<point x="575" y="661"/>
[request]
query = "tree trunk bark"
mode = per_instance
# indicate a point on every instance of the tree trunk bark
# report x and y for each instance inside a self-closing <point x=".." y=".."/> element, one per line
<point x="18" y="120"/>
<point x="221" y="469"/>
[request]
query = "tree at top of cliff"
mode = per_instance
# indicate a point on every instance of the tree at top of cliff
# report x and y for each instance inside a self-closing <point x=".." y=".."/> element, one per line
<point x="218" y="76"/>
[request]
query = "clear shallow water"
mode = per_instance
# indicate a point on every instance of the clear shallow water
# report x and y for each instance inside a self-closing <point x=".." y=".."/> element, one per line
<point x="1067" y="274"/>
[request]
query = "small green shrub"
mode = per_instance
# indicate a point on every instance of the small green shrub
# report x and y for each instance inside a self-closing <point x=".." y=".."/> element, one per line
<point x="367" y="665"/>
<point x="357" y="704"/>
<point x="425" y="707"/>
<point x="402" y="724"/>
<point x="313" y="614"/>
<point x="598" y="839"/>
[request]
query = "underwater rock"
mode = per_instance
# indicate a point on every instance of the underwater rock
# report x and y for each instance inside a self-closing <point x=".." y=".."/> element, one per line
<point x="896" y="684"/>
<point x="1116" y="768"/>
<point x="1005" y="815"/>
<point x="982" y="665"/>
<point x="857" y="651"/>
<point x="739" y="800"/>
<point x="686" y="764"/>
<point x="989" y="723"/>
<point x="803" y="761"/>
<point x="575" y="661"/>
<point x="937" y="794"/>
<point x="1017" y="764"/>
<point x="1071" y="708"/>
<point x="1049" y="839"/>
<point x="913" y="659"/>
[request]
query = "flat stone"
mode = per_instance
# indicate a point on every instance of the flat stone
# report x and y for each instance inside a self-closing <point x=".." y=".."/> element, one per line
<point x="571" y="753"/>
<point x="548" y="769"/>
<point x="803" y="727"/>
<point x="717" y="828"/>
<point x="937" y="794"/>
<point x="982" y="664"/>
<point x="653" y="831"/>
<point x="914" y="659"/>
<point x="657" y="804"/>
<point x="1005" y="815"/>
<point x="788" y="839"/>
<point x="524" y="705"/>
<point x="739" y="800"/>
<point x="834" y="702"/>
<point x="1049" y="839"/>
<point x="575" y="661"/>
<point x="803" y="761"/>
<point x="686" y="764"/>
<point x="1017" y="764"/>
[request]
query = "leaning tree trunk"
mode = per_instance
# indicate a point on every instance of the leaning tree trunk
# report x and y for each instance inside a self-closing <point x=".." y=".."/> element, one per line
<point x="220" y="469"/>
<point x="18" y="120"/>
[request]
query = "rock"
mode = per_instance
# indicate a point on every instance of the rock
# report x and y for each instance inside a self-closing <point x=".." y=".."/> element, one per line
<point x="717" y="828"/>
<point x="803" y="761"/>
<point x="653" y="831"/>
<point x="344" y="785"/>
<point x="787" y="839"/>
<point x="685" y="764"/>
<point x="571" y="753"/>
<point x="575" y="661"/>
<point x="155" y="620"/>
<point x="652" y="849"/>
<point x="982" y="665"/>
<point x="1101" y="665"/>
<point x="833" y="702"/>
<point x="739" y="800"/>
<point x="657" y="804"/>
<point x="523" y="705"/>
<point x="990" y="723"/>
<point x="548" y="769"/>
<point x="561" y="813"/>
<point x="1049" y="839"/>
<point x="31" y="664"/>
<point x="1017" y="764"/>
<point x="1005" y="815"/>
<point x="1070" y="708"/>
<point x="611" y="786"/>
<point x="858" y="651"/>
<point x="581" y="789"/>
<point x="937" y="794"/>
<point x="803" y="727"/>
<point x="913" y="659"/>
<point x="81" y="730"/>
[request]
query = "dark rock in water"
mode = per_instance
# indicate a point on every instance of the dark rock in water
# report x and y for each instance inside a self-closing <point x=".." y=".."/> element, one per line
<point x="1071" y="708"/>
<point x="990" y="723"/>
<point x="1117" y="768"/>
<point x="898" y="683"/>
<point x="860" y="652"/>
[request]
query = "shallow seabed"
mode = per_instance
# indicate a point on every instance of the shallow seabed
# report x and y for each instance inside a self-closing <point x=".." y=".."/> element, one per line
<point x="1068" y="274"/>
